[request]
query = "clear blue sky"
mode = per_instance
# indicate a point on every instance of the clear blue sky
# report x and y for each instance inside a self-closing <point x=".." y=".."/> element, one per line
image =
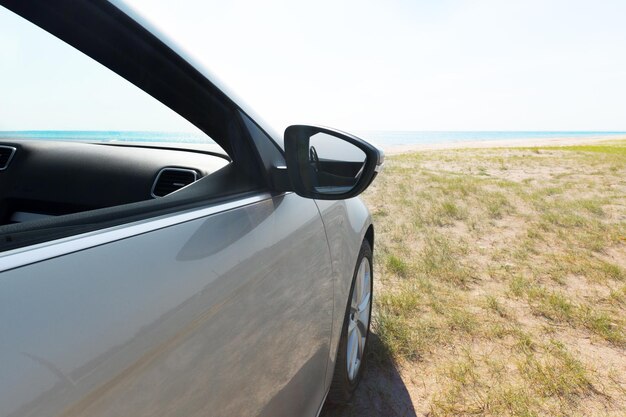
<point x="401" y="65"/>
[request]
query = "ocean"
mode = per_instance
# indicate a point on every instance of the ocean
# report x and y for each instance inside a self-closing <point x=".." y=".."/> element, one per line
<point x="380" y="138"/>
<point x="106" y="136"/>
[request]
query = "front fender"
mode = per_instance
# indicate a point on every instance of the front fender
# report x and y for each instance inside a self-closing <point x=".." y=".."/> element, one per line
<point x="346" y="223"/>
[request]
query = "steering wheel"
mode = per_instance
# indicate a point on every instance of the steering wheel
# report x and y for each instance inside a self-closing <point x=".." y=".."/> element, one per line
<point x="314" y="158"/>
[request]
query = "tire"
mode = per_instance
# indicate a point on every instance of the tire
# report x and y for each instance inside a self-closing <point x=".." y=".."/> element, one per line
<point x="345" y="379"/>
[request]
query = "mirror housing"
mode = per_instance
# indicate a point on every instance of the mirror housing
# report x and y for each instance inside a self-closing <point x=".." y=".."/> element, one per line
<point x="345" y="167"/>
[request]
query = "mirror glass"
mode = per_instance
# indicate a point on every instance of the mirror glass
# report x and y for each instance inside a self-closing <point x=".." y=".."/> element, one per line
<point x="337" y="165"/>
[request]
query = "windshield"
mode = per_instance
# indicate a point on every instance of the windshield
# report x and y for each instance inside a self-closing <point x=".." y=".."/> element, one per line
<point x="51" y="91"/>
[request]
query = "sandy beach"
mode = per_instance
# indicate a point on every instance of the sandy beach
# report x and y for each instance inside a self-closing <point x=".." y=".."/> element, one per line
<point x="515" y="143"/>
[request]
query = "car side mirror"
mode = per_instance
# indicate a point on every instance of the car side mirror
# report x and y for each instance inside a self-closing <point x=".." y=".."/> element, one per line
<point x="328" y="164"/>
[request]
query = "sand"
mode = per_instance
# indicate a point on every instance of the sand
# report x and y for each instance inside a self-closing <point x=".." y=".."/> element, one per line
<point x="514" y="143"/>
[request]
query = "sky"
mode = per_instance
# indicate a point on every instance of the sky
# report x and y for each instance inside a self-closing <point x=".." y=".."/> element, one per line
<point x="413" y="64"/>
<point x="407" y="64"/>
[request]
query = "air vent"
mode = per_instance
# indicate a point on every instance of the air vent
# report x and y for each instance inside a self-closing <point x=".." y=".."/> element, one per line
<point x="172" y="179"/>
<point x="6" y="154"/>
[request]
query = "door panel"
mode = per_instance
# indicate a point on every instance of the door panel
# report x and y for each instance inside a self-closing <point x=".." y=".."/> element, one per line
<point x="224" y="315"/>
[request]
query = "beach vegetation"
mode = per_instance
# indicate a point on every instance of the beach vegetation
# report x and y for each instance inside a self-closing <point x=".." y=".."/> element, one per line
<point x="501" y="279"/>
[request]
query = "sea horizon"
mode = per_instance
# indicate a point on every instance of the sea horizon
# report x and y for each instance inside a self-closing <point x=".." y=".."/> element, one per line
<point x="382" y="138"/>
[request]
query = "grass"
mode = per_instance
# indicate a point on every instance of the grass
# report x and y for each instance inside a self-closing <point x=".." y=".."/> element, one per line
<point x="549" y="378"/>
<point x="397" y="266"/>
<point x="618" y="148"/>
<point x="494" y="305"/>
<point x="501" y="279"/>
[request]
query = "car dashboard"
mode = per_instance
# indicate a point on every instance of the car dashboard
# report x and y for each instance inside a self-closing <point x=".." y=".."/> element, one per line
<point x="41" y="179"/>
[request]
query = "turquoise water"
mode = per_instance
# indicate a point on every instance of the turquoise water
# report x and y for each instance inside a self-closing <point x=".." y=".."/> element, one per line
<point x="107" y="136"/>
<point x="382" y="138"/>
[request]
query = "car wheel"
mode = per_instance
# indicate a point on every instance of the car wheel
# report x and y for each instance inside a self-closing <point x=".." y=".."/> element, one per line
<point x="355" y="331"/>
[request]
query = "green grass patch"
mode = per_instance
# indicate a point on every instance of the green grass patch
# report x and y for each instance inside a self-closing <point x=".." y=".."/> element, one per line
<point x="555" y="374"/>
<point x="494" y="305"/>
<point x="439" y="259"/>
<point x="397" y="266"/>
<point x="602" y="324"/>
<point x="617" y="149"/>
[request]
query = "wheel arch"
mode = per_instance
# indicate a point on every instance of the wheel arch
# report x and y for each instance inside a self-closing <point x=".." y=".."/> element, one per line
<point x="369" y="235"/>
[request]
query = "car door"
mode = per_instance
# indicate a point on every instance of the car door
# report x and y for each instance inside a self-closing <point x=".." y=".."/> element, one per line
<point x="221" y="311"/>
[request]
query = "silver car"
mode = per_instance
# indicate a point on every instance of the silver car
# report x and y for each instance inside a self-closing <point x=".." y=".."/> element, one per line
<point x="160" y="276"/>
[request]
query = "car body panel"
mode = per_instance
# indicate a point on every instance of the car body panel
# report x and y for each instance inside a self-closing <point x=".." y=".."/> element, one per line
<point x="228" y="314"/>
<point x="346" y="223"/>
